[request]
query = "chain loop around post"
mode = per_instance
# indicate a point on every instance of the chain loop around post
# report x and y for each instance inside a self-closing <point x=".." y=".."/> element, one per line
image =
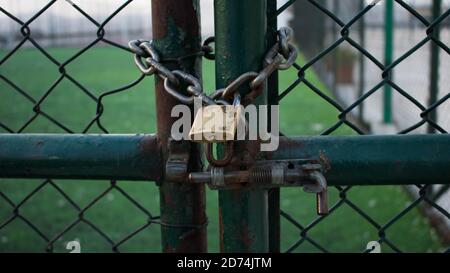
<point x="175" y="91"/>
<point x="285" y="36"/>
<point x="185" y="87"/>
<point x="207" y="49"/>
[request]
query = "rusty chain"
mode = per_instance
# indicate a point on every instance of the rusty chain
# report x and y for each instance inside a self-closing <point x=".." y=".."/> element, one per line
<point x="186" y="87"/>
<point x="425" y="197"/>
<point x="280" y="57"/>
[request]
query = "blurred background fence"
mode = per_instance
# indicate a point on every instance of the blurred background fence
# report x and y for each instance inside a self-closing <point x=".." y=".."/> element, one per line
<point x="345" y="71"/>
<point x="105" y="215"/>
<point x="64" y="27"/>
<point x="348" y="73"/>
<point x="387" y="32"/>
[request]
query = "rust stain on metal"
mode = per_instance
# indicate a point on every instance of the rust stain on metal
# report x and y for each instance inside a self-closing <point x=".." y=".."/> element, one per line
<point x="176" y="33"/>
<point x="150" y="146"/>
<point x="246" y="153"/>
<point x="200" y="218"/>
<point x="288" y="142"/>
<point x="246" y="238"/>
<point x="181" y="12"/>
<point x="285" y="144"/>
<point x="326" y="164"/>
<point x="168" y="249"/>
<point x="168" y="201"/>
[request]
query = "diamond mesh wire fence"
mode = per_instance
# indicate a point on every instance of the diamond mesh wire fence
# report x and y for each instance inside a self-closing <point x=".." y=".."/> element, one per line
<point x="97" y="89"/>
<point x="342" y="45"/>
<point x="63" y="90"/>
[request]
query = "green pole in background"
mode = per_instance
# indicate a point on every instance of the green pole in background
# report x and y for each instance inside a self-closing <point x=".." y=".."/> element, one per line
<point x="434" y="65"/>
<point x="388" y="56"/>
<point x="434" y="75"/>
<point x="240" y="27"/>
<point x="362" y="64"/>
<point x="335" y="9"/>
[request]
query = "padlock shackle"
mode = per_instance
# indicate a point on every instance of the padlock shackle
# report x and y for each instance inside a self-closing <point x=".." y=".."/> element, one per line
<point x="226" y="158"/>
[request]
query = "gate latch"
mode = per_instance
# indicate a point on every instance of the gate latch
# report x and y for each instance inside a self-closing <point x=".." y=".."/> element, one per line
<point x="271" y="174"/>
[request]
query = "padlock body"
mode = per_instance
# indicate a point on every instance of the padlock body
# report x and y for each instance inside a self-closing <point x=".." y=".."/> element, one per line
<point x="216" y="123"/>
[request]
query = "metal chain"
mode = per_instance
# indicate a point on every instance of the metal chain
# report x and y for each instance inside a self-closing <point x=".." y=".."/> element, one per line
<point x="280" y="57"/>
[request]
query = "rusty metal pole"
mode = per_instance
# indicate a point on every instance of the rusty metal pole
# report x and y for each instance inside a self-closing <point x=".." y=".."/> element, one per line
<point x="176" y="36"/>
<point x="240" y="27"/>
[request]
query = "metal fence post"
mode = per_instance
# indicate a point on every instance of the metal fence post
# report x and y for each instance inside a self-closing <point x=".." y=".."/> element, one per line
<point x="240" y="27"/>
<point x="272" y="99"/>
<point x="434" y="65"/>
<point x="176" y="36"/>
<point x="362" y="64"/>
<point x="388" y="55"/>
<point x="336" y="7"/>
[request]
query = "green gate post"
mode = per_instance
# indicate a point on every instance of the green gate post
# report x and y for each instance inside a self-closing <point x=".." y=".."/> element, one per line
<point x="240" y="27"/>
<point x="272" y="99"/>
<point x="176" y="34"/>
<point x="388" y="55"/>
<point x="434" y="65"/>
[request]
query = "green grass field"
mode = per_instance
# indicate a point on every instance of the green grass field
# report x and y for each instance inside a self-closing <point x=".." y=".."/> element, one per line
<point x="132" y="111"/>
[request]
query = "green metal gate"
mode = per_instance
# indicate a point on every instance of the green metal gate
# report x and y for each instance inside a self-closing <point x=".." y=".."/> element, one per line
<point x="249" y="184"/>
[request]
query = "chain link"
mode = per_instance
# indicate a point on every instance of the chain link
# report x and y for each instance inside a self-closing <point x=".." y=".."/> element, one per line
<point x="185" y="87"/>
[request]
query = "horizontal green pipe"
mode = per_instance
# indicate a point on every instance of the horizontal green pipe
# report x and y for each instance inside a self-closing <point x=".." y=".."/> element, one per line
<point x="375" y="160"/>
<point x="352" y="160"/>
<point x="126" y="157"/>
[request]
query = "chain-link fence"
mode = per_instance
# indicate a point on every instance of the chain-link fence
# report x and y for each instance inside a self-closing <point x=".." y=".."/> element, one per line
<point x="349" y="72"/>
<point x="336" y="57"/>
<point x="97" y="89"/>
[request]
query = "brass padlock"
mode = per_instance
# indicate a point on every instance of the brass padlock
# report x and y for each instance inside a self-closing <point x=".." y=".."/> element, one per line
<point x="218" y="123"/>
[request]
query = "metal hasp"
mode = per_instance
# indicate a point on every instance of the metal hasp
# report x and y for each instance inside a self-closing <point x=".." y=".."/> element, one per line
<point x="176" y="37"/>
<point x="374" y="160"/>
<point x="240" y="27"/>
<point x="270" y="174"/>
<point x="127" y="157"/>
